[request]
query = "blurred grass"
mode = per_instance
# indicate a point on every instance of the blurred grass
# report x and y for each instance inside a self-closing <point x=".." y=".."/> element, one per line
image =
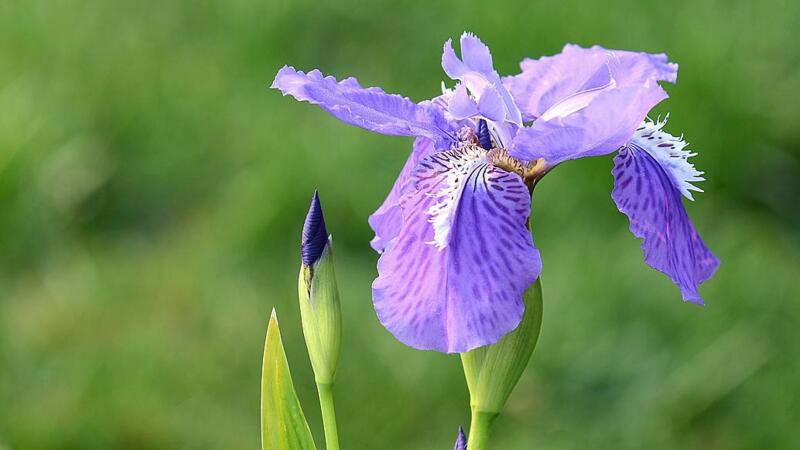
<point x="152" y="192"/>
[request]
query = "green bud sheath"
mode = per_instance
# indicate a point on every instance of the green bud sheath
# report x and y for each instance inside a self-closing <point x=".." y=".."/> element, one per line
<point x="321" y="315"/>
<point x="493" y="371"/>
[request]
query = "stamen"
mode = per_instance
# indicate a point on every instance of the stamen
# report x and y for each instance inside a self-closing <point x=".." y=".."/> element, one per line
<point x="499" y="157"/>
<point x="466" y="137"/>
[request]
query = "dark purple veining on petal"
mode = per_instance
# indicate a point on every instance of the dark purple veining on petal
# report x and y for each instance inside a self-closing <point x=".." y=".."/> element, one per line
<point x="645" y="192"/>
<point x="483" y="135"/>
<point x="461" y="441"/>
<point x="315" y="235"/>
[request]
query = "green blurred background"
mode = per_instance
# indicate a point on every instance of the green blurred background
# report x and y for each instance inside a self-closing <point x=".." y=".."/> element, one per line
<point x="152" y="191"/>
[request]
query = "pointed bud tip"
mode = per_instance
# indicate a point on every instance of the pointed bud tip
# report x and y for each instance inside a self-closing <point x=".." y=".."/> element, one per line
<point x="315" y="235"/>
<point x="461" y="441"/>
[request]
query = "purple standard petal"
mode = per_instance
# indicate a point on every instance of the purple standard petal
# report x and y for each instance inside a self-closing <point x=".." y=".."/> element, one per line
<point x="461" y="106"/>
<point x="461" y="440"/>
<point x="476" y="66"/>
<point x="476" y="71"/>
<point x="453" y="278"/>
<point x="368" y="108"/>
<point x="388" y="219"/>
<point x="315" y="235"/>
<point x="649" y="175"/>
<point x="601" y="127"/>
<point x="576" y="74"/>
<point x="491" y="106"/>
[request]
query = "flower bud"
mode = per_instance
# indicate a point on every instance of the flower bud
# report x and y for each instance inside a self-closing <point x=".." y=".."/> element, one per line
<point x="461" y="440"/>
<point x="493" y="371"/>
<point x="319" y="296"/>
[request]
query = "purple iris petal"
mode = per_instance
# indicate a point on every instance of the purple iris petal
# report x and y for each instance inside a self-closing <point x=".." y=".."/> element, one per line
<point x="600" y="128"/>
<point x="315" y="235"/>
<point x="461" y="105"/>
<point x="603" y="93"/>
<point x="476" y="71"/>
<point x="388" y="219"/>
<point x="458" y="284"/>
<point x="549" y="80"/>
<point x="476" y="68"/>
<point x="491" y="106"/>
<point x="368" y="108"/>
<point x="640" y="68"/>
<point x="647" y="188"/>
<point x="461" y="440"/>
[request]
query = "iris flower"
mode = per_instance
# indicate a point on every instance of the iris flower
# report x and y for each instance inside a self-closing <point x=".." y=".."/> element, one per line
<point x="456" y="252"/>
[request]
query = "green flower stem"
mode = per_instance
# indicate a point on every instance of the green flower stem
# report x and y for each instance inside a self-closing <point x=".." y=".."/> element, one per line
<point x="479" y="429"/>
<point x="328" y="416"/>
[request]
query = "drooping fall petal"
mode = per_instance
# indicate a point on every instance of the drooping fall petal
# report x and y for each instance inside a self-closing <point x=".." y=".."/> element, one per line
<point x="453" y="278"/>
<point x="649" y="175"/>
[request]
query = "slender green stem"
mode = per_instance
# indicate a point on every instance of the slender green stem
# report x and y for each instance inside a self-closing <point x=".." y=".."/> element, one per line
<point x="479" y="429"/>
<point x="328" y="416"/>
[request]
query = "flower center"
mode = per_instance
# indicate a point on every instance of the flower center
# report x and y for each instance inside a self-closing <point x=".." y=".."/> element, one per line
<point x="530" y="172"/>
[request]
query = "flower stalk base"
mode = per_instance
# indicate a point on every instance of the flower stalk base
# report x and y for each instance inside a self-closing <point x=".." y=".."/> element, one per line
<point x="325" y="392"/>
<point x="479" y="429"/>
